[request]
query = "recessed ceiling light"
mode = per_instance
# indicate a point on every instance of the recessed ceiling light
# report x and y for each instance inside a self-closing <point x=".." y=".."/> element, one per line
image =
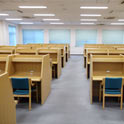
<point x="3" y="14"/>
<point x="16" y="19"/>
<point x="90" y="14"/>
<point x="32" y="7"/>
<point x="52" y="23"/>
<point x="87" y="23"/>
<point x="93" y="7"/>
<point x="117" y="23"/>
<point x="26" y="23"/>
<point x="44" y="14"/>
<point x="88" y="19"/>
<point x="51" y="19"/>
<point x="121" y="20"/>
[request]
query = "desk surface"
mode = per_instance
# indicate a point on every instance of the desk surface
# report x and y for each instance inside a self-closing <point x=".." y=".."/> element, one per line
<point x="100" y="78"/>
<point x="54" y="62"/>
<point x="32" y="76"/>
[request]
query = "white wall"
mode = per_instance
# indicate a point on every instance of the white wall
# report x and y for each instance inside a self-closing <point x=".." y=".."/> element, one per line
<point x="74" y="50"/>
<point x="4" y="35"/>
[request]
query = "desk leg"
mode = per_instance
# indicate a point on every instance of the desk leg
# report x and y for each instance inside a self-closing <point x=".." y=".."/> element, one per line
<point x="91" y="91"/>
<point x="84" y="62"/>
<point x="88" y="70"/>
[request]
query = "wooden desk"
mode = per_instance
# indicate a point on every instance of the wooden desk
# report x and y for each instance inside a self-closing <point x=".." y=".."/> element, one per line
<point x="55" y="55"/>
<point x="104" y="66"/>
<point x="93" y="52"/>
<point x="35" y="67"/>
<point x="100" y="52"/>
<point x="63" y="55"/>
<point x="58" y="46"/>
<point x="101" y="46"/>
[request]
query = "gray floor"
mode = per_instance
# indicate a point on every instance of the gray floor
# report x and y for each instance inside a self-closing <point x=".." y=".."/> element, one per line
<point x="69" y="102"/>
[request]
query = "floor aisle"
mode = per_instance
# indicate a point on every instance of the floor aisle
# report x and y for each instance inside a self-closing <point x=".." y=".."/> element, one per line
<point x="69" y="102"/>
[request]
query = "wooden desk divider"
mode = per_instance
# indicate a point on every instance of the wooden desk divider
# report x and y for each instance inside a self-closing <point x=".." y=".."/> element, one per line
<point x="35" y="67"/>
<point x="26" y="51"/>
<point x="3" y="61"/>
<point x="7" y="105"/>
<point x="55" y="55"/>
<point x="93" y="52"/>
<point x="100" y="52"/>
<point x="94" y="49"/>
<point x="7" y="51"/>
<point x="63" y="55"/>
<point x="104" y="66"/>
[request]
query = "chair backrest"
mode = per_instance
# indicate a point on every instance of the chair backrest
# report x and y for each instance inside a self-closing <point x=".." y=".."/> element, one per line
<point x="20" y="83"/>
<point x="113" y="83"/>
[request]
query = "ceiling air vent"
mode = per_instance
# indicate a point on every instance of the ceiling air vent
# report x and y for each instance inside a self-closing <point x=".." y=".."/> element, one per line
<point x="19" y="11"/>
<point x="109" y="17"/>
<point x="122" y="2"/>
<point x="101" y="24"/>
<point x="27" y="17"/>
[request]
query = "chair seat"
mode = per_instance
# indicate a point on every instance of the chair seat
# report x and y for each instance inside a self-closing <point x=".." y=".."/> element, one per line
<point x="21" y="92"/>
<point x="111" y="91"/>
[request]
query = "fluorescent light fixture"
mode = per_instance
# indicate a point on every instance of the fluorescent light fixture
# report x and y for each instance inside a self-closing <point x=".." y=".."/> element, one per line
<point x="52" y="23"/>
<point x="44" y="14"/>
<point x="117" y="23"/>
<point x="32" y="7"/>
<point x="88" y="19"/>
<point x="87" y="23"/>
<point x="121" y="20"/>
<point x="3" y="14"/>
<point x="26" y="23"/>
<point x="16" y="19"/>
<point x="51" y="19"/>
<point x="90" y="14"/>
<point x="93" y="7"/>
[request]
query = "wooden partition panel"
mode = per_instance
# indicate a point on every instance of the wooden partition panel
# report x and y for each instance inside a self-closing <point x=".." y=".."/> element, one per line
<point x="46" y="78"/>
<point x="3" y="60"/>
<point x="26" y="51"/>
<point x="7" y="51"/>
<point x="7" y="105"/>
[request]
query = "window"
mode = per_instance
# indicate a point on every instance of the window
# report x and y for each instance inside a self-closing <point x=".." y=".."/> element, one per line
<point x="12" y="35"/>
<point x="113" y="36"/>
<point x="85" y="37"/>
<point x="33" y="36"/>
<point x="59" y="36"/>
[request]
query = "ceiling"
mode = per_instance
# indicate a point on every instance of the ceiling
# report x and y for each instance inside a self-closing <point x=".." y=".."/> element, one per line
<point x="67" y="10"/>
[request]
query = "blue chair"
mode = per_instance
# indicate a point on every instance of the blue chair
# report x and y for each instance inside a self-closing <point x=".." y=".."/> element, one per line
<point x="22" y="88"/>
<point x="113" y="87"/>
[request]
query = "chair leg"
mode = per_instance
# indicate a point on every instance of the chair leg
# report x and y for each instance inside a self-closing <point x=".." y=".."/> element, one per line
<point x="37" y="93"/>
<point x="29" y="103"/>
<point x="121" y="106"/>
<point x="103" y="102"/>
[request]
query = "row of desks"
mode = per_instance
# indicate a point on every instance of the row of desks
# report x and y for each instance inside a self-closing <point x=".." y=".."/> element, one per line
<point x="103" y="61"/>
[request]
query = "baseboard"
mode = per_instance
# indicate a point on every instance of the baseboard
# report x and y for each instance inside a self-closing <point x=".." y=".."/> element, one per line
<point x="76" y="54"/>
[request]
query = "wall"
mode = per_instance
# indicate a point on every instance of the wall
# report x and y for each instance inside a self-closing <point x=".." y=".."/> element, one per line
<point x="4" y="37"/>
<point x="4" y="34"/>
